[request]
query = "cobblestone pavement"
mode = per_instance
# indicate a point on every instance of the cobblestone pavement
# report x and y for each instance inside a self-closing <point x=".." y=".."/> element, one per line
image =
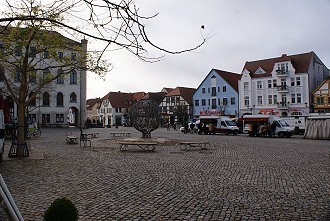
<point x="238" y="178"/>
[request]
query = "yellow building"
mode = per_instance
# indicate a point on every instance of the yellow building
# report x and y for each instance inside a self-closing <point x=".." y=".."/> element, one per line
<point x="321" y="97"/>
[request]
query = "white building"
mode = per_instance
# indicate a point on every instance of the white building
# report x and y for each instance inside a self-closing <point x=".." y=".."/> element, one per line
<point x="115" y="107"/>
<point x="281" y="86"/>
<point x="61" y="102"/>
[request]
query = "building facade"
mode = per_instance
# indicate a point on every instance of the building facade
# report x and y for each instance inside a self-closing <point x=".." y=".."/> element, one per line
<point x="322" y="97"/>
<point x="115" y="107"/>
<point x="62" y="101"/>
<point x="217" y="94"/>
<point x="281" y="86"/>
<point x="176" y="107"/>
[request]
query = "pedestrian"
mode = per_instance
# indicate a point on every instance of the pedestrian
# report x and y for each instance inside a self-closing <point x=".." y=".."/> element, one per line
<point x="273" y="128"/>
<point x="186" y="128"/>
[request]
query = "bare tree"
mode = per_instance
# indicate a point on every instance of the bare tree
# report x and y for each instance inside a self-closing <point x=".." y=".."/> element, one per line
<point x="30" y="41"/>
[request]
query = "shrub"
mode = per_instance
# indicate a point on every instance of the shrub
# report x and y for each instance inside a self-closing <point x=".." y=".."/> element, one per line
<point x="61" y="209"/>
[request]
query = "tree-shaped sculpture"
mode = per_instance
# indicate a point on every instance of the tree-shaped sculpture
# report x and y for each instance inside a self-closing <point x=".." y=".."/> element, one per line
<point x="145" y="117"/>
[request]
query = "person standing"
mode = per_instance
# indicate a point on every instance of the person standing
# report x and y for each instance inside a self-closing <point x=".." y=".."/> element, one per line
<point x="273" y="128"/>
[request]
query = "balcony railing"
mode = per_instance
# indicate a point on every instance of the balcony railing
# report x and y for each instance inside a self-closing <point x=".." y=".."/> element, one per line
<point x="281" y="73"/>
<point x="283" y="105"/>
<point x="283" y="88"/>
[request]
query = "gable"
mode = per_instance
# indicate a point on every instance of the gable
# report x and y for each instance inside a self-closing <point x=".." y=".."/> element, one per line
<point x="260" y="71"/>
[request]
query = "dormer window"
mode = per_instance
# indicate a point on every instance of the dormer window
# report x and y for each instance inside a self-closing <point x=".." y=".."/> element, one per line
<point x="260" y="71"/>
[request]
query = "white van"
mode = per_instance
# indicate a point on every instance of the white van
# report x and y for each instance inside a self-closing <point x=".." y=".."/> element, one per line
<point x="282" y="128"/>
<point x="2" y="134"/>
<point x="219" y="124"/>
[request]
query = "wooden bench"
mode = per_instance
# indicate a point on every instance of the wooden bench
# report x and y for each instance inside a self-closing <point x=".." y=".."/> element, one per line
<point x="185" y="145"/>
<point x="150" y="146"/>
<point x="120" y="134"/>
<point x="71" y="140"/>
<point x="92" y="135"/>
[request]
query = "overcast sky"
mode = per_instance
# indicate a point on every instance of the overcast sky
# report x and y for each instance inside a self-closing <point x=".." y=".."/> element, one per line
<point x="242" y="31"/>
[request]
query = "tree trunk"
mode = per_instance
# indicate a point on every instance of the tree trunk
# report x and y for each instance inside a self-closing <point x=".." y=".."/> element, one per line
<point x="20" y="131"/>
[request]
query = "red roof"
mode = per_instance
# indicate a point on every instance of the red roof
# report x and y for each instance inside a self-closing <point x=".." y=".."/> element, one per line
<point x="91" y="102"/>
<point x="300" y="63"/>
<point x="122" y="100"/>
<point x="230" y="78"/>
<point x="185" y="92"/>
<point x="155" y="96"/>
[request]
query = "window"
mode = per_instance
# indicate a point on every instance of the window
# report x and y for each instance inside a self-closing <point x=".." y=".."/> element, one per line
<point x="259" y="85"/>
<point x="293" y="98"/>
<point x="2" y="73"/>
<point x="46" y="54"/>
<point x="203" y="102"/>
<point x="2" y="48"/>
<point x="59" y="118"/>
<point x="45" y="99"/>
<point x="232" y="101"/>
<point x="17" y="77"/>
<point x="270" y="99"/>
<point x="299" y="98"/>
<point x="246" y="101"/>
<point x="60" y="77"/>
<point x="218" y="89"/>
<point x="292" y="81"/>
<point x="45" y="118"/>
<point x="269" y="83"/>
<point x="18" y="51"/>
<point x="298" y="81"/>
<point x="214" y="103"/>
<point x="320" y="101"/>
<point x="46" y="74"/>
<point x="274" y="83"/>
<point x="224" y="101"/>
<point x="259" y="100"/>
<point x="60" y="54"/>
<point x="73" y="56"/>
<point x="209" y="102"/>
<point x="275" y="98"/>
<point x="73" y="97"/>
<point x="73" y="77"/>
<point x="203" y="90"/>
<point x="224" y="88"/>
<point x="208" y="90"/>
<point x="214" y="91"/>
<point x="196" y="103"/>
<point x="32" y="52"/>
<point x="246" y="86"/>
<point x="32" y="118"/>
<point x="59" y="99"/>
<point x="32" y="76"/>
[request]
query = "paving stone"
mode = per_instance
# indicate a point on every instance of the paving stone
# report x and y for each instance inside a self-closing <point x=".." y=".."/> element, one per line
<point x="238" y="178"/>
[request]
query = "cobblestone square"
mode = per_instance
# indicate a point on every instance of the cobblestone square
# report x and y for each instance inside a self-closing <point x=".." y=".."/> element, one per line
<point x="237" y="178"/>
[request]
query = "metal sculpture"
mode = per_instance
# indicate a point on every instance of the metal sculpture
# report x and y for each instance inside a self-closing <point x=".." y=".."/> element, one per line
<point x="145" y="117"/>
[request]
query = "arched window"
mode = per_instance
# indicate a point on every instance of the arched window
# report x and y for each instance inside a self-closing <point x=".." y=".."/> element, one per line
<point x="45" y="99"/>
<point x="59" y="99"/>
<point x="73" y="97"/>
<point x="73" y="77"/>
<point x="60" y="77"/>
